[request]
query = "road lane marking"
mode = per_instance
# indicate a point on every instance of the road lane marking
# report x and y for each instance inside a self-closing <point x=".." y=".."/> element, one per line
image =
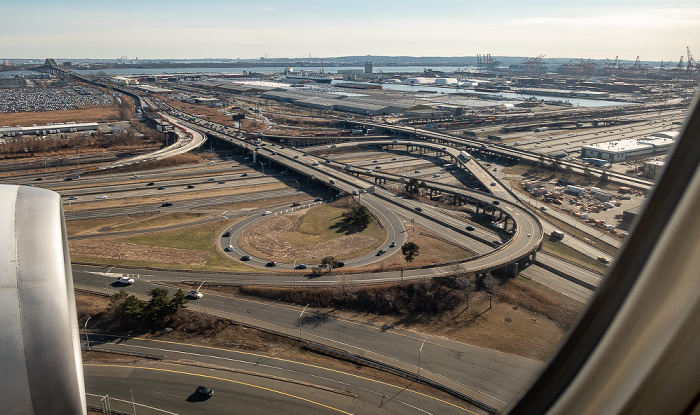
<point x="225" y="380"/>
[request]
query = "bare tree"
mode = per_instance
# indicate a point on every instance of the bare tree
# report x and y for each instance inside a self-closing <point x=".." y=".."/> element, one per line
<point x="491" y="287"/>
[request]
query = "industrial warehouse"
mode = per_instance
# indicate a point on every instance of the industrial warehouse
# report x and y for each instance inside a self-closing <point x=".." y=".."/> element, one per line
<point x="18" y="131"/>
<point x="618" y="151"/>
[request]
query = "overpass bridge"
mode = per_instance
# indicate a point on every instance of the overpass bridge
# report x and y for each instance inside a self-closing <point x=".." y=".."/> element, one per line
<point x="476" y="146"/>
<point x="525" y="231"/>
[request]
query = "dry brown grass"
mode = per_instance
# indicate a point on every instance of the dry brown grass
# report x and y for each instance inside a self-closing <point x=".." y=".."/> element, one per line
<point x="86" y="114"/>
<point x="525" y="319"/>
<point x="108" y="249"/>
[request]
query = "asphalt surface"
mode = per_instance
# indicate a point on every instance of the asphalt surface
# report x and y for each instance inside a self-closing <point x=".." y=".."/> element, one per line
<point x="488" y="376"/>
<point x="265" y="382"/>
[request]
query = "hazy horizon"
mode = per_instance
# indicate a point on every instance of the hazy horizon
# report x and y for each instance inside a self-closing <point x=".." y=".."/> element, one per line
<point x="77" y="29"/>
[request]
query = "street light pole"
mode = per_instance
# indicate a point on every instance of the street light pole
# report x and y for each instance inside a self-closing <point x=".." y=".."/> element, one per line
<point x="302" y="313"/>
<point x="419" y="353"/>
<point x="262" y="166"/>
<point x="86" y="333"/>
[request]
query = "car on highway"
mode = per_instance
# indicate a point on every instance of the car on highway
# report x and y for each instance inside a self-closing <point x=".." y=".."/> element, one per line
<point x="124" y="279"/>
<point x="493" y="183"/>
<point x="245" y="258"/>
<point x="355" y="192"/>
<point x="543" y="208"/>
<point x="416" y="171"/>
<point x="166" y="204"/>
<point x="228" y="248"/>
<point x="318" y="199"/>
<point x="135" y="176"/>
<point x="296" y="204"/>
<point x="101" y="197"/>
<point x="211" y="179"/>
<point x="300" y="266"/>
<point x="340" y="264"/>
<point x="194" y="294"/>
<point x="226" y="234"/>
<point x="374" y="161"/>
<point x="189" y="186"/>
<point x="381" y="252"/>
<point x="306" y="154"/>
<point x="331" y="181"/>
<point x="377" y="167"/>
<point x="222" y="182"/>
<point x="267" y="212"/>
<point x="470" y="228"/>
<point x="436" y="175"/>
<point x="392" y="244"/>
<point x="72" y="197"/>
<point x="204" y="391"/>
<point x="496" y="202"/>
<point x="419" y="209"/>
<point x="497" y="242"/>
<point x="211" y="163"/>
<point x="244" y="174"/>
<point x="603" y="260"/>
<point x="38" y="179"/>
<point x="68" y="179"/>
<point x="150" y="184"/>
<point x="296" y="157"/>
<point x="271" y="264"/>
<point x="161" y="188"/>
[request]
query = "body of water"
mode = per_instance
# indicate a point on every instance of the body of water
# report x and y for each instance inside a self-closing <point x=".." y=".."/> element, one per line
<point x="266" y="70"/>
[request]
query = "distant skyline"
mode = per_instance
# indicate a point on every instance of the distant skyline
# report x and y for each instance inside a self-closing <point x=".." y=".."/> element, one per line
<point x="109" y="29"/>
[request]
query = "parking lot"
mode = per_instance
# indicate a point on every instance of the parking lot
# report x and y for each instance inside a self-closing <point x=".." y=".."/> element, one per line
<point x="50" y="99"/>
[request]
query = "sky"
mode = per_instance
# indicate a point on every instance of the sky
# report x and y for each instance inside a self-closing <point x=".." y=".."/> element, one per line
<point x="199" y="29"/>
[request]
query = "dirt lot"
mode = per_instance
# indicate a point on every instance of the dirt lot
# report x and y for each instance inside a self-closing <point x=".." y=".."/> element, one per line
<point x="87" y="114"/>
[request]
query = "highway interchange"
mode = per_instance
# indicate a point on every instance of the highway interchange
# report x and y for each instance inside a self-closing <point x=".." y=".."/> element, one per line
<point x="491" y="377"/>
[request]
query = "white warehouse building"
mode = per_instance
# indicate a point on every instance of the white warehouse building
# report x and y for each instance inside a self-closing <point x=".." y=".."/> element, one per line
<point x="618" y="151"/>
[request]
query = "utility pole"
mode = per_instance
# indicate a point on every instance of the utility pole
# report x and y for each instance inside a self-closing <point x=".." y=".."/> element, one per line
<point x="419" y="353"/>
<point x="302" y="313"/>
<point x="86" y="333"/>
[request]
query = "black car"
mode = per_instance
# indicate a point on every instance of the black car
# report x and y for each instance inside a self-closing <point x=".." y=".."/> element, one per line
<point x="245" y="258"/>
<point x="341" y="264"/>
<point x="300" y="266"/>
<point x="381" y="252"/>
<point x="190" y="186"/>
<point x="418" y="208"/>
<point x="150" y="184"/>
<point x="204" y="391"/>
<point x="226" y="234"/>
<point x="470" y="228"/>
<point x="161" y="188"/>
<point x="270" y="264"/>
<point x="166" y="204"/>
<point x="496" y="202"/>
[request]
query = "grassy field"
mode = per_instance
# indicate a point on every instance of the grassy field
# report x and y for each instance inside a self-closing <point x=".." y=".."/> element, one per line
<point x="191" y="241"/>
<point x="564" y="251"/>
<point x="308" y="235"/>
<point x="161" y="220"/>
<point x="320" y="225"/>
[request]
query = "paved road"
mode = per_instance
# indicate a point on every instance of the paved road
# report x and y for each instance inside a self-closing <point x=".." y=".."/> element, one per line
<point x="489" y="376"/>
<point x="239" y="373"/>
